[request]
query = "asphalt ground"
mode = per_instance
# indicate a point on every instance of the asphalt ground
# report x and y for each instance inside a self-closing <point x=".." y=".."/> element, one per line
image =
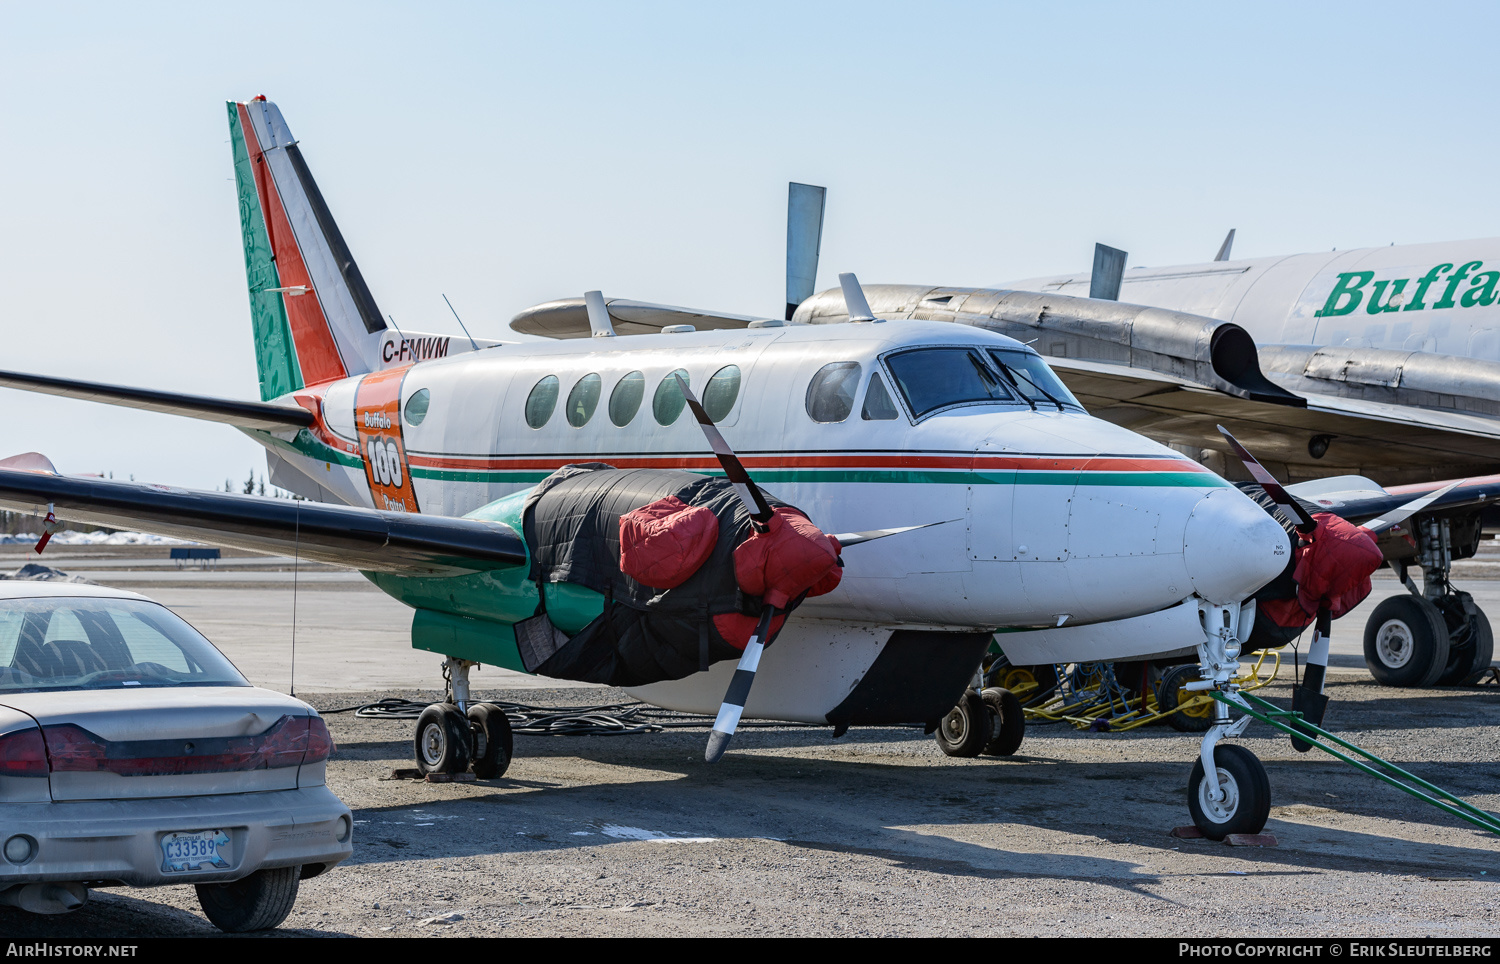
<point x="877" y="833"/>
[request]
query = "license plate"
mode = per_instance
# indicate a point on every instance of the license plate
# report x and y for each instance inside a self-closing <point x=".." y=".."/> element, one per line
<point x="205" y="849"/>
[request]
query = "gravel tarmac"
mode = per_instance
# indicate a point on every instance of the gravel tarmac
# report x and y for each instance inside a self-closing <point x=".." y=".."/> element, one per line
<point x="879" y="834"/>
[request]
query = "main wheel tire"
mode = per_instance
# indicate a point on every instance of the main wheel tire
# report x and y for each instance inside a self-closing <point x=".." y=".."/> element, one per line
<point x="966" y="728"/>
<point x="1247" y="804"/>
<point x="1172" y="692"/>
<point x="1406" y="642"/>
<point x="441" y="743"/>
<point x="1471" y="642"/>
<point x="1008" y="721"/>
<point x="1484" y="649"/>
<point x="257" y="902"/>
<point x="493" y="742"/>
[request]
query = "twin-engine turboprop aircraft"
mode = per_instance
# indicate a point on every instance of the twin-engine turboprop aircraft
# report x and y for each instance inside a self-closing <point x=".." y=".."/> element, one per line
<point x="444" y="481"/>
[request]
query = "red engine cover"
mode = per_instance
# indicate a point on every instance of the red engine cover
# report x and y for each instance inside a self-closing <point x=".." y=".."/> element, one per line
<point x="664" y="543"/>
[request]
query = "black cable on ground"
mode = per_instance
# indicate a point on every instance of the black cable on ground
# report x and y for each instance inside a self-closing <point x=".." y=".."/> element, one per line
<point x="611" y="719"/>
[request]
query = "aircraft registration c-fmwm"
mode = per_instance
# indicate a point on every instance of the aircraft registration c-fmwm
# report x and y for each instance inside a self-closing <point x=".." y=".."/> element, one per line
<point x="664" y="561"/>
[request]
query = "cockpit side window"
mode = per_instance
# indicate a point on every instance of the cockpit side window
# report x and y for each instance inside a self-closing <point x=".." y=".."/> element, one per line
<point x="934" y="378"/>
<point x="878" y="404"/>
<point x="830" y="394"/>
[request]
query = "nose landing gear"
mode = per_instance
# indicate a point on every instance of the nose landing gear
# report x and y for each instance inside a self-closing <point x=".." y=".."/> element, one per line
<point x="453" y="736"/>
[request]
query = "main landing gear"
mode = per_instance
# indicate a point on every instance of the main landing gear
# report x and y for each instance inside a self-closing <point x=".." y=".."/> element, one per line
<point x="986" y="721"/>
<point x="1436" y="636"/>
<point x="455" y="735"/>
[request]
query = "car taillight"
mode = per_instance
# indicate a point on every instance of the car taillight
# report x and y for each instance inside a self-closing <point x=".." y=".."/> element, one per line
<point x="23" y="754"/>
<point x="319" y="741"/>
<point x="288" y="742"/>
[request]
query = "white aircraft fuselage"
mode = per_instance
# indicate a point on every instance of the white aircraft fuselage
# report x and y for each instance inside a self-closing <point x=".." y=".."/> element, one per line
<point x="1439" y="297"/>
<point x="1048" y="516"/>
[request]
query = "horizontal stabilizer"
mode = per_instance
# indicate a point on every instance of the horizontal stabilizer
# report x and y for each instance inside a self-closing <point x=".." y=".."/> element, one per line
<point x="255" y="415"/>
<point x="339" y="535"/>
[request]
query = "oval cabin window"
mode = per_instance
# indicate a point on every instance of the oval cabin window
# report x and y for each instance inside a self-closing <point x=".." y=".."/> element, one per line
<point x="583" y="399"/>
<point x="541" y="402"/>
<point x="626" y="399"/>
<point x="669" y="402"/>
<point x="416" y="407"/>
<point x="721" y="391"/>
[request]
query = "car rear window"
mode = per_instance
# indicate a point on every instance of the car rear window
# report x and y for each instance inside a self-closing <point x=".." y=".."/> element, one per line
<point x="73" y="642"/>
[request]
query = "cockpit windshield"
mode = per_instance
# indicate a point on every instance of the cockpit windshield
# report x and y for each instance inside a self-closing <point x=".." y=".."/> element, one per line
<point x="1031" y="376"/>
<point x="934" y="378"/>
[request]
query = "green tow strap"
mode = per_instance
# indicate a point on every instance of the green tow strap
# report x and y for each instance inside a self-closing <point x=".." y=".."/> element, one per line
<point x="1273" y="715"/>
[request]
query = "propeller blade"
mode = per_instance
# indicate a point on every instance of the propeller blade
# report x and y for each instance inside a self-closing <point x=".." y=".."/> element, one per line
<point x="1410" y="509"/>
<point x="749" y="492"/>
<point x="847" y="539"/>
<point x="1279" y="495"/>
<point x="804" y="238"/>
<point x="854" y="298"/>
<point x="739" y="690"/>
<point x="1309" y="699"/>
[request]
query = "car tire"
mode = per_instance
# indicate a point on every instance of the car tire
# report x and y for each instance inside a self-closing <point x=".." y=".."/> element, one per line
<point x="1406" y="642"/>
<point x="441" y="743"/>
<point x="493" y="741"/>
<point x="257" y="902"/>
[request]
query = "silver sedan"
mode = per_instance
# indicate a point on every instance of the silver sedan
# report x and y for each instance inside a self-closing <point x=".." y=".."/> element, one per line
<point x="133" y="753"/>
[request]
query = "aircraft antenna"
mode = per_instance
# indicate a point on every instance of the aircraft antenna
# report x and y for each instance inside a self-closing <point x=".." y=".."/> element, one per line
<point x="461" y="324"/>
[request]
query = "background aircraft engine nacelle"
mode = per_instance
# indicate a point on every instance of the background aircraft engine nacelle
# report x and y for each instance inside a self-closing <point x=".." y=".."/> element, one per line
<point x="1232" y="547"/>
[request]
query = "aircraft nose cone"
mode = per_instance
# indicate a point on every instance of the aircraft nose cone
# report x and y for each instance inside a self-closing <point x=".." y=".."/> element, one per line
<point x="1232" y="547"/>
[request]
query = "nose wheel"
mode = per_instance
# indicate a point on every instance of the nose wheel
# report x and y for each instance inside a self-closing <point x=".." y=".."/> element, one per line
<point x="1242" y="801"/>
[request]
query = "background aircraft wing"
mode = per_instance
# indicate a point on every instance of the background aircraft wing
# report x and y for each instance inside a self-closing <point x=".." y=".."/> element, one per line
<point x="569" y="318"/>
<point x="340" y="535"/>
<point x="1387" y="442"/>
<point x="256" y="415"/>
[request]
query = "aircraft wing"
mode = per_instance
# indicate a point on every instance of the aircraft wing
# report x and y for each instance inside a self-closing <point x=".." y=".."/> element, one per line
<point x="340" y="535"/>
<point x="256" y="415"/>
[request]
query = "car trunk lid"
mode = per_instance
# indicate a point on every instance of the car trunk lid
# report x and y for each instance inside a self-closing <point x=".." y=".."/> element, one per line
<point x="181" y="741"/>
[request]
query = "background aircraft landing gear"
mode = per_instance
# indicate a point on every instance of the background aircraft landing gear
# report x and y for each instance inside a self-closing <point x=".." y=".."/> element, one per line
<point x="1435" y="636"/>
<point x="456" y="734"/>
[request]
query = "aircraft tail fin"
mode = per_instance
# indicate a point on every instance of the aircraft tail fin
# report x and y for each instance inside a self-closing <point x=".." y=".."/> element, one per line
<point x="313" y="316"/>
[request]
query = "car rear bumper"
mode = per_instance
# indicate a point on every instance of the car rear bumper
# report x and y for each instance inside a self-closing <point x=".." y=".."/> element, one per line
<point x="121" y="840"/>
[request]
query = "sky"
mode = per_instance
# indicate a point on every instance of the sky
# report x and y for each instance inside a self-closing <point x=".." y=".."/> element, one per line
<point x="507" y="155"/>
